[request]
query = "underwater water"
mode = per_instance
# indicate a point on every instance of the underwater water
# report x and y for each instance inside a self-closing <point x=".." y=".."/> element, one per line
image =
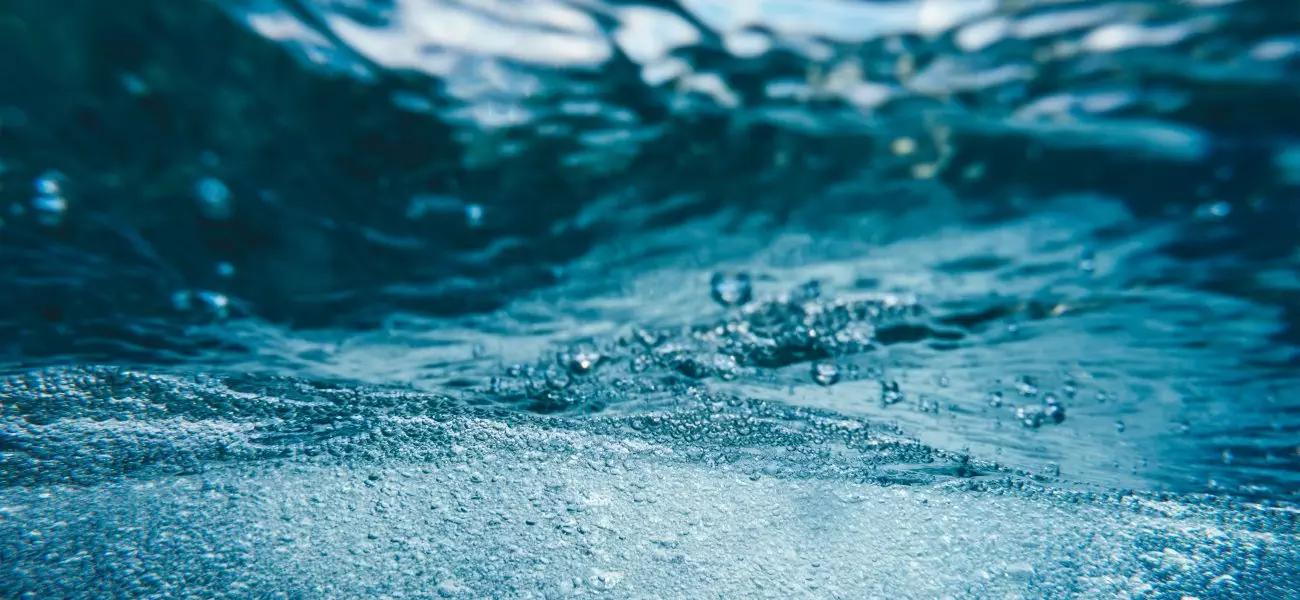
<point x="658" y="299"/>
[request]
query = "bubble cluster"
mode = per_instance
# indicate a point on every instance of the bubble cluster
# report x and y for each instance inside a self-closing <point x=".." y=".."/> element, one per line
<point x="803" y="326"/>
<point x="1034" y="416"/>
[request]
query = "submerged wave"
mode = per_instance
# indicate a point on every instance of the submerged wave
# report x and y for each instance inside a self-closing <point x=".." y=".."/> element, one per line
<point x="578" y="296"/>
<point x="254" y="487"/>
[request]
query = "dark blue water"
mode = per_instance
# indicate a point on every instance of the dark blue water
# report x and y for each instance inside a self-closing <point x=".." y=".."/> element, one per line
<point x="746" y="298"/>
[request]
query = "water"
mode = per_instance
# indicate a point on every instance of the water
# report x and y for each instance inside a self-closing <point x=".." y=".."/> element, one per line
<point x="699" y="299"/>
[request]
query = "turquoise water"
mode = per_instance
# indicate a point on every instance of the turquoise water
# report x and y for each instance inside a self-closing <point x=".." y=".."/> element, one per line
<point x="842" y="299"/>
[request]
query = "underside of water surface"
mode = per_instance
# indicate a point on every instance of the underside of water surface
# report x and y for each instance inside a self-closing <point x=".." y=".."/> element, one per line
<point x="659" y="299"/>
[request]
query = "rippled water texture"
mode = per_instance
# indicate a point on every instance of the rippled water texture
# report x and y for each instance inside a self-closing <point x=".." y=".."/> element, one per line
<point x="714" y="298"/>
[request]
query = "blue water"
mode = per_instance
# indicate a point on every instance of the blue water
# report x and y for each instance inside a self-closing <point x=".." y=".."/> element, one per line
<point x="707" y="298"/>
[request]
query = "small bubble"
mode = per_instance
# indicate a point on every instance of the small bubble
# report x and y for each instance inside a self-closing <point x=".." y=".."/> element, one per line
<point x="214" y="198"/>
<point x="581" y="361"/>
<point x="730" y="289"/>
<point x="1027" y="386"/>
<point x="217" y="302"/>
<point x="944" y="381"/>
<point x="825" y="373"/>
<point x="225" y="270"/>
<point x="1214" y="210"/>
<point x="995" y="399"/>
<point x="1087" y="260"/>
<point x="49" y="204"/>
<point x="890" y="394"/>
<point x="1119" y="426"/>
<point x="474" y="215"/>
<point x="50" y="183"/>
<point x="1054" y="412"/>
<point x="927" y="405"/>
<point x="1030" y="416"/>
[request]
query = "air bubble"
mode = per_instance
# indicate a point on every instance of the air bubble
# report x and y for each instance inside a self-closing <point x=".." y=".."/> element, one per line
<point x="1053" y="410"/>
<point x="825" y="373"/>
<point x="218" y="303"/>
<point x="1030" y="416"/>
<point x="474" y="215"/>
<point x="214" y="198"/>
<point x="731" y="289"/>
<point x="890" y="394"/>
<point x="215" y="302"/>
<point x="582" y="361"/>
<point x="1087" y="260"/>
<point x="1214" y="210"/>
<point x="50" y="183"/>
<point x="49" y="204"/>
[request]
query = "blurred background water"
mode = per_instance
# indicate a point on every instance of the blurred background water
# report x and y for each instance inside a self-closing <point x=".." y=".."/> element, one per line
<point x="1058" y="236"/>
